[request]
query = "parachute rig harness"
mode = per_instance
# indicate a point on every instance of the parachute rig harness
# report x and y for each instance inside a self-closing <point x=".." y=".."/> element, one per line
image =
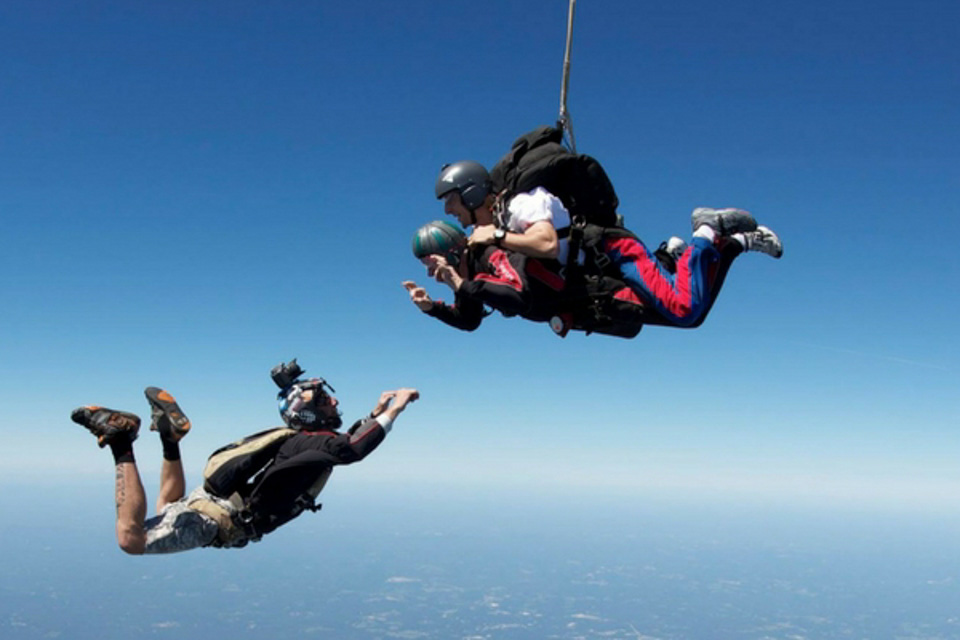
<point x="233" y="472"/>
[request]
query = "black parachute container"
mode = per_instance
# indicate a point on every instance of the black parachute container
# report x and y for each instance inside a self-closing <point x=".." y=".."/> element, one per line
<point x="539" y="159"/>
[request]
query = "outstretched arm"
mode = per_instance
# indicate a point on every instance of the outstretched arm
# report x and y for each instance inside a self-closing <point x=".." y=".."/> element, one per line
<point x="386" y="400"/>
<point x="464" y="314"/>
<point x="419" y="296"/>
<point x="392" y="404"/>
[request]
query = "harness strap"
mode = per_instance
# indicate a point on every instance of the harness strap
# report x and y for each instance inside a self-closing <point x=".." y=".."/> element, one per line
<point x="308" y="501"/>
<point x="256" y="519"/>
<point x="575" y="234"/>
<point x="233" y="529"/>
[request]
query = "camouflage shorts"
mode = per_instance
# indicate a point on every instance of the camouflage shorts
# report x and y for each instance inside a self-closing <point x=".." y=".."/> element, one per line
<point x="179" y="528"/>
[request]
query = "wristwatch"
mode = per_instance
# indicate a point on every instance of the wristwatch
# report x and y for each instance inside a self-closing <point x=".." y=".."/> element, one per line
<point x="498" y="236"/>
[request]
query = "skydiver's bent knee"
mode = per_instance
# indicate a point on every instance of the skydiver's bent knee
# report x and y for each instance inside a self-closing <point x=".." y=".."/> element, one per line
<point x="130" y="542"/>
<point x="681" y="297"/>
<point x="179" y="528"/>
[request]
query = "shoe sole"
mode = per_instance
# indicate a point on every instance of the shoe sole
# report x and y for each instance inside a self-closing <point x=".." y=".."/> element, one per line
<point x="165" y="403"/>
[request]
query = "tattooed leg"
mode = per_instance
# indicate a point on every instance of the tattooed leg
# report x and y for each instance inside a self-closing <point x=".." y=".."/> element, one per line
<point x="131" y="508"/>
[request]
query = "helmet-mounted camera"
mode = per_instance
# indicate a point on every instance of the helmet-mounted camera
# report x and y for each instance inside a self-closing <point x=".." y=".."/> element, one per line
<point x="286" y="373"/>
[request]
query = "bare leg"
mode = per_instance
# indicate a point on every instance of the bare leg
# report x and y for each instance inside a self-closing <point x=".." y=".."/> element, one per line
<point x="172" y="483"/>
<point x="169" y="420"/>
<point x="118" y="429"/>
<point x="131" y="509"/>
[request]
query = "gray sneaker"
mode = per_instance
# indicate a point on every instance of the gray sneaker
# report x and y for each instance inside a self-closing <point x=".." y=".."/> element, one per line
<point x="763" y="240"/>
<point x="724" y="221"/>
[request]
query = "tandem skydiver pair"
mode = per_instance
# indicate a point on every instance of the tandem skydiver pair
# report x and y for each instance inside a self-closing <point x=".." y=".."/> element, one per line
<point x="547" y="244"/>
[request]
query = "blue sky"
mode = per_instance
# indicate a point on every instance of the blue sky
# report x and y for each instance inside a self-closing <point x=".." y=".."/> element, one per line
<point x="192" y="193"/>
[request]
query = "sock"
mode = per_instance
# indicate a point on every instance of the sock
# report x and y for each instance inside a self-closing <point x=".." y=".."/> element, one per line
<point x="122" y="448"/>
<point x="741" y="239"/>
<point x="171" y="450"/>
<point x="729" y="248"/>
<point x="705" y="231"/>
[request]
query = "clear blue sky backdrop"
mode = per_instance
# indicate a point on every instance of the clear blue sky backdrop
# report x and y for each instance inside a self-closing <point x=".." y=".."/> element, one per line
<point x="193" y="192"/>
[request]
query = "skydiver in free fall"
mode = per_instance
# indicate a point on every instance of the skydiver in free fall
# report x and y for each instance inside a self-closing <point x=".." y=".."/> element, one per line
<point x="250" y="487"/>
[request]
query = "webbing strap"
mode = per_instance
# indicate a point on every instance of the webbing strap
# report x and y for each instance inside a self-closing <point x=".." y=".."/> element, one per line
<point x="575" y="230"/>
<point x="564" y="119"/>
<point x="228" y="534"/>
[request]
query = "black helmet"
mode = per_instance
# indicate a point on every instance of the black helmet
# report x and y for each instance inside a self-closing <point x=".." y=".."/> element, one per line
<point x="469" y="178"/>
<point x="300" y="414"/>
<point x="440" y="238"/>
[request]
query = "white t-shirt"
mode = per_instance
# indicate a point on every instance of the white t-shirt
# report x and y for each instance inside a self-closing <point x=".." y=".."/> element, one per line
<point x="526" y="209"/>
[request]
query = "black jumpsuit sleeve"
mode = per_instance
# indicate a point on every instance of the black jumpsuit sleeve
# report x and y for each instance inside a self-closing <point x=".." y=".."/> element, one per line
<point x="499" y="281"/>
<point x="503" y="297"/>
<point x="465" y="313"/>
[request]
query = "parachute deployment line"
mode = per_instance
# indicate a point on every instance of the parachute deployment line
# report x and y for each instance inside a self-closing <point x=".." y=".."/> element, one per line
<point x="563" y="122"/>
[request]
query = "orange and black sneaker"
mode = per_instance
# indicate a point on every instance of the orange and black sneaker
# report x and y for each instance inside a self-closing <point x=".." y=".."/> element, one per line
<point x="166" y="415"/>
<point x="106" y="423"/>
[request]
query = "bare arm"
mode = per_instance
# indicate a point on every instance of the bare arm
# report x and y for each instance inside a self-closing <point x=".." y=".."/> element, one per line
<point x="539" y="240"/>
<point x="388" y="397"/>
<point x="392" y="403"/>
